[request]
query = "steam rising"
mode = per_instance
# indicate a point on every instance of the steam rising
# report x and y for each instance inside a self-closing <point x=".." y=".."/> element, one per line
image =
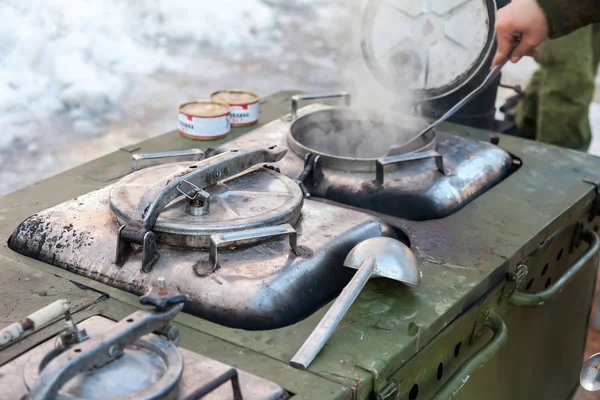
<point x="376" y="121"/>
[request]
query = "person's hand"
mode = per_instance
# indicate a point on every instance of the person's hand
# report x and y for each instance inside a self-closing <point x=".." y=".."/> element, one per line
<point x="523" y="21"/>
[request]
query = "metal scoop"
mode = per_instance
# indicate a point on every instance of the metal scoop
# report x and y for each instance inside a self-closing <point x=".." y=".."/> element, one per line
<point x="383" y="257"/>
<point x="590" y="374"/>
<point x="398" y="149"/>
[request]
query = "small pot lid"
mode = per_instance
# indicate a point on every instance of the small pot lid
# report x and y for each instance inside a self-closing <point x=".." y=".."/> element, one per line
<point x="256" y="198"/>
<point x="427" y="49"/>
<point x="149" y="369"/>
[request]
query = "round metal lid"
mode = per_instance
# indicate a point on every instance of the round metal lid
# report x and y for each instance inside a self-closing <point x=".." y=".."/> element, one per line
<point x="149" y="369"/>
<point x="427" y="49"/>
<point x="256" y="198"/>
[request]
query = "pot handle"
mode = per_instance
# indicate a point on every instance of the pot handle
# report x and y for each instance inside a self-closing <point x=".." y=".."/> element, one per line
<point x="196" y="154"/>
<point x="539" y="299"/>
<point x="482" y="357"/>
<point x="249" y="236"/>
<point x="408" y="158"/>
<point x="315" y="96"/>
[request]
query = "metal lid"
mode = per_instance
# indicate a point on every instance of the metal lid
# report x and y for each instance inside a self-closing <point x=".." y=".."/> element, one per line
<point x="149" y="369"/>
<point x="253" y="199"/>
<point x="427" y="49"/>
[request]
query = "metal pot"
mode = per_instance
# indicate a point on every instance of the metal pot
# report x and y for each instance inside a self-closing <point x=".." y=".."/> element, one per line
<point x="346" y="142"/>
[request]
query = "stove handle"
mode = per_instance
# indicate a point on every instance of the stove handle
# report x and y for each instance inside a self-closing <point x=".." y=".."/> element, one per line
<point x="315" y="96"/>
<point x="196" y="154"/>
<point x="542" y="298"/>
<point x="477" y="361"/>
<point x="251" y="235"/>
<point x="407" y="158"/>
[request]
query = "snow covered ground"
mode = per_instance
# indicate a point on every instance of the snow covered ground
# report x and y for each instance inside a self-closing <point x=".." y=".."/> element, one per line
<point x="81" y="79"/>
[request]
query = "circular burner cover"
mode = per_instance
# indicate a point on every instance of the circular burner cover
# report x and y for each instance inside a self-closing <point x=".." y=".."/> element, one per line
<point x="257" y="198"/>
<point x="427" y="49"/>
<point x="149" y="369"/>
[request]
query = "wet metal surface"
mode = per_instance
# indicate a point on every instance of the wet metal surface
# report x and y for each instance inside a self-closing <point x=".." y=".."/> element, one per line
<point x="257" y="287"/>
<point x="464" y="257"/>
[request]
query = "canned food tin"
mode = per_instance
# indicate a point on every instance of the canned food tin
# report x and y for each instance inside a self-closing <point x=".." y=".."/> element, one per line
<point x="204" y="119"/>
<point x="245" y="106"/>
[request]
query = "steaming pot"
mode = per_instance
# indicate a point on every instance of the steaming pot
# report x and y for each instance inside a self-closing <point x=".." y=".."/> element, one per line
<point x="343" y="141"/>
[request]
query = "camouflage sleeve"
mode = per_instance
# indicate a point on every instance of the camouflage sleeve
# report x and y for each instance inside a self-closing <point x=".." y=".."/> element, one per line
<point x="566" y="16"/>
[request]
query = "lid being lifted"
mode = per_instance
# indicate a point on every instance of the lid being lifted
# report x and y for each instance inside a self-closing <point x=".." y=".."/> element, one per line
<point x="427" y="49"/>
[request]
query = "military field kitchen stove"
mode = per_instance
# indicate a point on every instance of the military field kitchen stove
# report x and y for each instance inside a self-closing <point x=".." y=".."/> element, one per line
<point x="241" y="249"/>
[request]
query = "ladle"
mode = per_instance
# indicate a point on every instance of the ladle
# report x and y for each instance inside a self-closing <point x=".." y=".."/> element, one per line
<point x="383" y="257"/>
<point x="397" y="149"/>
<point x="590" y="374"/>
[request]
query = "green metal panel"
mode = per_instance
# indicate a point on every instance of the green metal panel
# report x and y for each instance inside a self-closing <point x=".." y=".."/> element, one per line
<point x="392" y="331"/>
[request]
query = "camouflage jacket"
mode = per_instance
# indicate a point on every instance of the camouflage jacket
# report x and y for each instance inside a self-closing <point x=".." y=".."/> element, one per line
<point x="566" y="16"/>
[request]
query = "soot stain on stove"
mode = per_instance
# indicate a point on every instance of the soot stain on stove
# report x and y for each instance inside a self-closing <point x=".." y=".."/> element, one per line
<point x="35" y="238"/>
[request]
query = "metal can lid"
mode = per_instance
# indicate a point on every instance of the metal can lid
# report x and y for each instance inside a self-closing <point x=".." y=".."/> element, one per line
<point x="235" y="97"/>
<point x="205" y="108"/>
<point x="427" y="50"/>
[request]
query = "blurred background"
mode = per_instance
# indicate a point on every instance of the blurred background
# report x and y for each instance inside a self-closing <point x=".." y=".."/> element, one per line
<point x="81" y="79"/>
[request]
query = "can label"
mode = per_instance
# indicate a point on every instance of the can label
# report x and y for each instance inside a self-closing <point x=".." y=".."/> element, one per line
<point x="244" y="114"/>
<point x="204" y="127"/>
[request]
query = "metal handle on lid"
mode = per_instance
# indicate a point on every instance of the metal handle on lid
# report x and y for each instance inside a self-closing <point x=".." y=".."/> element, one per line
<point x="539" y="299"/>
<point x="249" y="236"/>
<point x="107" y="347"/>
<point x="315" y="96"/>
<point x="395" y="160"/>
<point x="203" y="174"/>
<point x="197" y="154"/>
<point x="483" y="356"/>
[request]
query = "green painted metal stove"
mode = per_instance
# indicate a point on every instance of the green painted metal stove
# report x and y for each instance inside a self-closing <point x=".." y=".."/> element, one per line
<point x="203" y="278"/>
<point x="508" y="273"/>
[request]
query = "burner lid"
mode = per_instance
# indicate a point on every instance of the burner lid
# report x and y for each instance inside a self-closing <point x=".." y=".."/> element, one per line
<point x="430" y="47"/>
<point x="256" y="198"/>
<point x="149" y="368"/>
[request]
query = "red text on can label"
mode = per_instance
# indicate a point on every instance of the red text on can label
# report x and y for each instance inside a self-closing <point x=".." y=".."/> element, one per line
<point x="245" y="114"/>
<point x="204" y="127"/>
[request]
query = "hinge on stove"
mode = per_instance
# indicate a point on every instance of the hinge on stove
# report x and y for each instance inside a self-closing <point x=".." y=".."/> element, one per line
<point x="312" y="174"/>
<point x="388" y="391"/>
<point x="125" y="249"/>
<point x="577" y="236"/>
<point x="514" y="281"/>
<point x="383" y="388"/>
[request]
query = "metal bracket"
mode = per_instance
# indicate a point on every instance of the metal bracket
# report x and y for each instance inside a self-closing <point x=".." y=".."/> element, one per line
<point x="247" y="236"/>
<point x="482" y="321"/>
<point x="514" y="281"/>
<point x="312" y="174"/>
<point x="577" y="236"/>
<point x="198" y="202"/>
<point x="231" y="375"/>
<point x="409" y="158"/>
<point x="389" y="391"/>
<point x="314" y="96"/>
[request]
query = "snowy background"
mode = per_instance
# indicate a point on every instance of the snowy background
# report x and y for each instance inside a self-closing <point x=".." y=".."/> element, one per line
<point x="79" y="79"/>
